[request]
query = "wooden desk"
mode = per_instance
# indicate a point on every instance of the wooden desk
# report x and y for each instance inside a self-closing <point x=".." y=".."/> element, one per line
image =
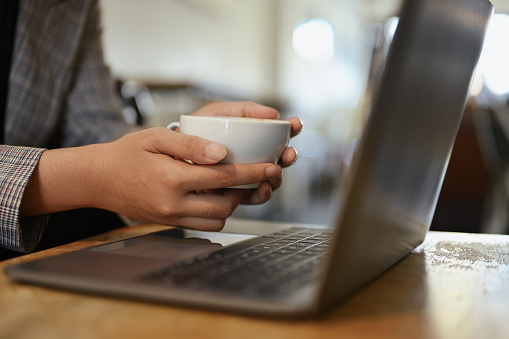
<point x="455" y="285"/>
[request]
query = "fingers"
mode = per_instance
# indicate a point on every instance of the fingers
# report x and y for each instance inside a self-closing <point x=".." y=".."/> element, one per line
<point x="296" y="126"/>
<point x="264" y="192"/>
<point x="201" y="224"/>
<point x="239" y="109"/>
<point x="289" y="157"/>
<point x="247" y="109"/>
<point x="254" y="110"/>
<point x="209" y="210"/>
<point x="258" y="196"/>
<point x="228" y="175"/>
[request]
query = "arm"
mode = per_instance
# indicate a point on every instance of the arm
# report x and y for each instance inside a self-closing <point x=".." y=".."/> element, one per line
<point x="57" y="113"/>
<point x="110" y="176"/>
<point x="140" y="176"/>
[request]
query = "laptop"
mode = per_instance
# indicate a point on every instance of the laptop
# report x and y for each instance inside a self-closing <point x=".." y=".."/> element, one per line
<point x="384" y="208"/>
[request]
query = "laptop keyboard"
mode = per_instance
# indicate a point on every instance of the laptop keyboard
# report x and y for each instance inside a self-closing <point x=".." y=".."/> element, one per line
<point x="272" y="265"/>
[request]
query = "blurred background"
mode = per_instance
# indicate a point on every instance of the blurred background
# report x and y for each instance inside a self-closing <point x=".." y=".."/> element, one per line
<point x="316" y="59"/>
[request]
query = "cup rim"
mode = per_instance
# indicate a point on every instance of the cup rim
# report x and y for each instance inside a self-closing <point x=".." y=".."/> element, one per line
<point x="239" y="119"/>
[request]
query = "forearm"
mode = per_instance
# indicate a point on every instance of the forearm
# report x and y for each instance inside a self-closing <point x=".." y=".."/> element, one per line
<point x="63" y="179"/>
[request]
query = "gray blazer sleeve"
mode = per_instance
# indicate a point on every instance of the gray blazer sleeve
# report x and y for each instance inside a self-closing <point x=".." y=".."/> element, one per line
<point x="60" y="94"/>
<point x="93" y="111"/>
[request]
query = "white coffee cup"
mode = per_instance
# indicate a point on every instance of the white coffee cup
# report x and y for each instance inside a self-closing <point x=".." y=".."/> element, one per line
<point x="247" y="140"/>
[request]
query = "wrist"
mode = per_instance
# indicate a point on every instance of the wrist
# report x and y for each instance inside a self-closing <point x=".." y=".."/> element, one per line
<point x="63" y="179"/>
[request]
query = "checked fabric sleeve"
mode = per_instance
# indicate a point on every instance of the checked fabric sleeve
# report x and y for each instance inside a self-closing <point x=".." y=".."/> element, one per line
<point x="16" y="167"/>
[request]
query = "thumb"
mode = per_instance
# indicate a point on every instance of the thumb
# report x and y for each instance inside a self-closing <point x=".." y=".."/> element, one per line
<point x="190" y="147"/>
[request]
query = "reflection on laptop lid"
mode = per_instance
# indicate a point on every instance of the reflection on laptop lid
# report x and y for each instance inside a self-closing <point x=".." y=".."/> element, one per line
<point x="408" y="139"/>
<point x="387" y="206"/>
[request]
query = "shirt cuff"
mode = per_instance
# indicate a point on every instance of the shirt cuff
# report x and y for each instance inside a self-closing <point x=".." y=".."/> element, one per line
<point x="16" y="167"/>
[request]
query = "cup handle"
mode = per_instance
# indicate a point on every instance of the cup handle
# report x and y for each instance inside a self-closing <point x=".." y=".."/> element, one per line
<point x="173" y="126"/>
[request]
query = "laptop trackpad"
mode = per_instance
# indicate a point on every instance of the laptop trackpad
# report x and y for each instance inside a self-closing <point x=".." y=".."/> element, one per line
<point x="173" y="245"/>
<point x="129" y="258"/>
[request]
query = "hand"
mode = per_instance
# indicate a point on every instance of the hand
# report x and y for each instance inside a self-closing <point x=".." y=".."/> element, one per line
<point x="254" y="110"/>
<point x="139" y="176"/>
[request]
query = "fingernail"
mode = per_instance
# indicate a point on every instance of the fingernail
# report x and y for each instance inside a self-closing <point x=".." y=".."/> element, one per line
<point x="273" y="171"/>
<point x="301" y="126"/>
<point x="296" y="157"/>
<point x="215" y="152"/>
<point x="268" y="190"/>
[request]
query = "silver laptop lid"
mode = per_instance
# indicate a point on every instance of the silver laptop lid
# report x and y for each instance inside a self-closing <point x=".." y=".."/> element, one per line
<point x="398" y="171"/>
